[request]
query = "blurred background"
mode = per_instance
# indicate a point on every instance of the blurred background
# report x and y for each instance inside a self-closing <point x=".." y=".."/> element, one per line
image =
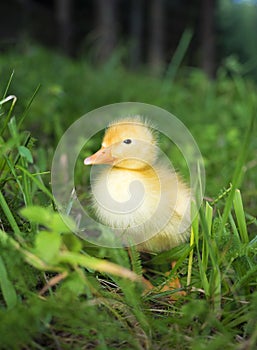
<point x="146" y="33"/>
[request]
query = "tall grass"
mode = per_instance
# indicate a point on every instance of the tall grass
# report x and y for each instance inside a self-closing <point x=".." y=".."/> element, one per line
<point x="56" y="291"/>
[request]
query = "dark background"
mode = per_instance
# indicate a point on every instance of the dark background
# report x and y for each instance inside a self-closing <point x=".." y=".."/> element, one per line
<point x="144" y="33"/>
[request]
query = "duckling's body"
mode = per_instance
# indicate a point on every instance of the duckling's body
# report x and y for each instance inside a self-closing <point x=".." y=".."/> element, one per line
<point x="140" y="197"/>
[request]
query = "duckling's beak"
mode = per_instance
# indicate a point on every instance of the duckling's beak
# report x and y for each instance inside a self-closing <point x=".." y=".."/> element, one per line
<point x="103" y="156"/>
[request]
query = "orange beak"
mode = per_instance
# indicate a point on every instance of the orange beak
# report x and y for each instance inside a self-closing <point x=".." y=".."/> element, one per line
<point x="103" y="156"/>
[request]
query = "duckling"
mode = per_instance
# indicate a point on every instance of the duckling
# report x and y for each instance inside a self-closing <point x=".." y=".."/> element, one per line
<point x="139" y="196"/>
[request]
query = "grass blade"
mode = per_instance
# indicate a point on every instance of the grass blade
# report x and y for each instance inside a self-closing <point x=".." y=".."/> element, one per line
<point x="7" y="288"/>
<point x="191" y="256"/>
<point x="9" y="215"/>
<point x="8" y="84"/>
<point x="202" y="270"/>
<point x="7" y="119"/>
<point x="177" y="59"/>
<point x="28" y="106"/>
<point x="38" y="183"/>
<point x="205" y="249"/>
<point x="240" y="216"/>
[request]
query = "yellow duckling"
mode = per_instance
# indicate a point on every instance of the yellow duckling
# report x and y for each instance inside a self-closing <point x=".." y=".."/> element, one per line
<point x="138" y="195"/>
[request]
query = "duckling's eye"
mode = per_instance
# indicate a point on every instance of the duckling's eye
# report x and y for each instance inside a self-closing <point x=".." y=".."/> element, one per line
<point x="127" y="141"/>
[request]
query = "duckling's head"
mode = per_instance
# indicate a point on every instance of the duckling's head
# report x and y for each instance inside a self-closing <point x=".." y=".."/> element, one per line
<point x="128" y="143"/>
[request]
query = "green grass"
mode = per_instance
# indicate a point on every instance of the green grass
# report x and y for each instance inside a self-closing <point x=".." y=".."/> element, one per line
<point x="57" y="291"/>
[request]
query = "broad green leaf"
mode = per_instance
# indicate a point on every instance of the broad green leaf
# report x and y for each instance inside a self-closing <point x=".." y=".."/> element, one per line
<point x="52" y="220"/>
<point x="25" y="153"/>
<point x="72" y="242"/>
<point x="47" y="245"/>
<point x="62" y="224"/>
<point x="37" y="214"/>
